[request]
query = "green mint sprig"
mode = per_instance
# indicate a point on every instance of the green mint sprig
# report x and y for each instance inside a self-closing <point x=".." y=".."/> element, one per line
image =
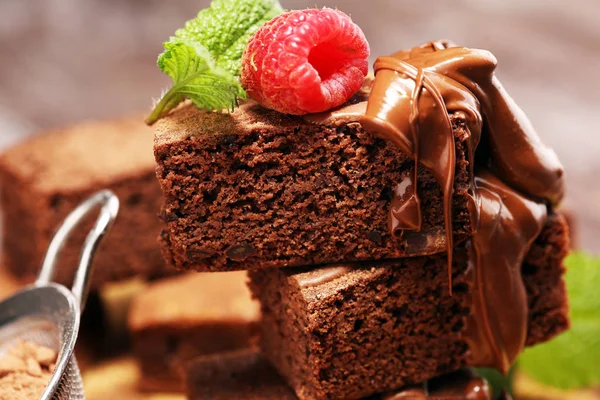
<point x="204" y="58"/>
<point x="572" y="360"/>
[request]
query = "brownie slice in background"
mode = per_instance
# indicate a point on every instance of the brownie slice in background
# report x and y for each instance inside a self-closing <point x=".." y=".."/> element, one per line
<point x="117" y="379"/>
<point x="177" y="319"/>
<point x="349" y="331"/>
<point x="246" y="375"/>
<point x="44" y="178"/>
<point x="240" y="375"/>
<point x="256" y="189"/>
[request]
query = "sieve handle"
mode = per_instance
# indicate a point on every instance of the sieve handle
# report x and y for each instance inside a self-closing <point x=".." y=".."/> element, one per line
<point x="110" y="207"/>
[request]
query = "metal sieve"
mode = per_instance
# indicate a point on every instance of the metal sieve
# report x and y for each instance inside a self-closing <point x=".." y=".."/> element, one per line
<point x="47" y="313"/>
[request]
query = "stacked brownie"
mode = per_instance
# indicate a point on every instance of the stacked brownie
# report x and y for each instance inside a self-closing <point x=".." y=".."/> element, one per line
<point x="258" y="189"/>
<point x="44" y="178"/>
<point x="374" y="272"/>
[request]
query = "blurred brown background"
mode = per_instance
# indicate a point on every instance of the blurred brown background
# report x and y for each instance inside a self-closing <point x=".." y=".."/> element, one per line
<point x="67" y="60"/>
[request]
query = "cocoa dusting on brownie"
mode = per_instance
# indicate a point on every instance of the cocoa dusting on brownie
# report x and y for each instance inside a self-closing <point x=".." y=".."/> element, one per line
<point x="25" y="370"/>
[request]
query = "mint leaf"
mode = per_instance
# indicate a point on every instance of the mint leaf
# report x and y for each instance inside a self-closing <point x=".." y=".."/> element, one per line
<point x="204" y="58"/>
<point x="571" y="359"/>
<point x="197" y="78"/>
<point x="226" y="26"/>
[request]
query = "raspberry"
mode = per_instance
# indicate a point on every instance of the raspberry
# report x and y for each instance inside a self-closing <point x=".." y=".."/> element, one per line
<point x="305" y="61"/>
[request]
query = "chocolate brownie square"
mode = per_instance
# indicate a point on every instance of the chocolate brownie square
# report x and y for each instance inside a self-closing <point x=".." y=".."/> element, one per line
<point x="45" y="177"/>
<point x="255" y="188"/>
<point x="348" y="331"/>
<point x="180" y="318"/>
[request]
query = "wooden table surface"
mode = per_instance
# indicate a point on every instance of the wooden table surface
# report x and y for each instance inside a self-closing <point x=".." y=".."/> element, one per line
<point x="69" y="60"/>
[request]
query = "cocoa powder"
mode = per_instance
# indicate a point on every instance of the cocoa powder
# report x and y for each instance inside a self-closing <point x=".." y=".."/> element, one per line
<point x="25" y="370"/>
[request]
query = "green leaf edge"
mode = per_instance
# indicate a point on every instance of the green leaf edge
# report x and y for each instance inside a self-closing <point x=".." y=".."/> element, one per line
<point x="222" y="81"/>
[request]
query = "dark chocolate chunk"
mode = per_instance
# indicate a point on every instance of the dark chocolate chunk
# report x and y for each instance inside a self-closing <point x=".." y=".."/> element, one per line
<point x="240" y="252"/>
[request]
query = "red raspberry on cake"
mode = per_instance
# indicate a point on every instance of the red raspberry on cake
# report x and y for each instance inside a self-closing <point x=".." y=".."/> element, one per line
<point x="305" y="61"/>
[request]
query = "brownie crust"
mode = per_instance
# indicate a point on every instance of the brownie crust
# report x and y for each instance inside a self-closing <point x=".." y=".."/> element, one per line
<point x="256" y="189"/>
<point x="349" y="332"/>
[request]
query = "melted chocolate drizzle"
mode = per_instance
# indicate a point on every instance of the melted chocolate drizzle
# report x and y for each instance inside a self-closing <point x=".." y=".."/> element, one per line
<point x="509" y="222"/>
<point x="410" y="104"/>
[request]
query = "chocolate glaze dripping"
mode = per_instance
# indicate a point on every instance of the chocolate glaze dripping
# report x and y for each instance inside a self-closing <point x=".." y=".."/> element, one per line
<point x="496" y="330"/>
<point x="410" y="104"/>
<point x="428" y="137"/>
